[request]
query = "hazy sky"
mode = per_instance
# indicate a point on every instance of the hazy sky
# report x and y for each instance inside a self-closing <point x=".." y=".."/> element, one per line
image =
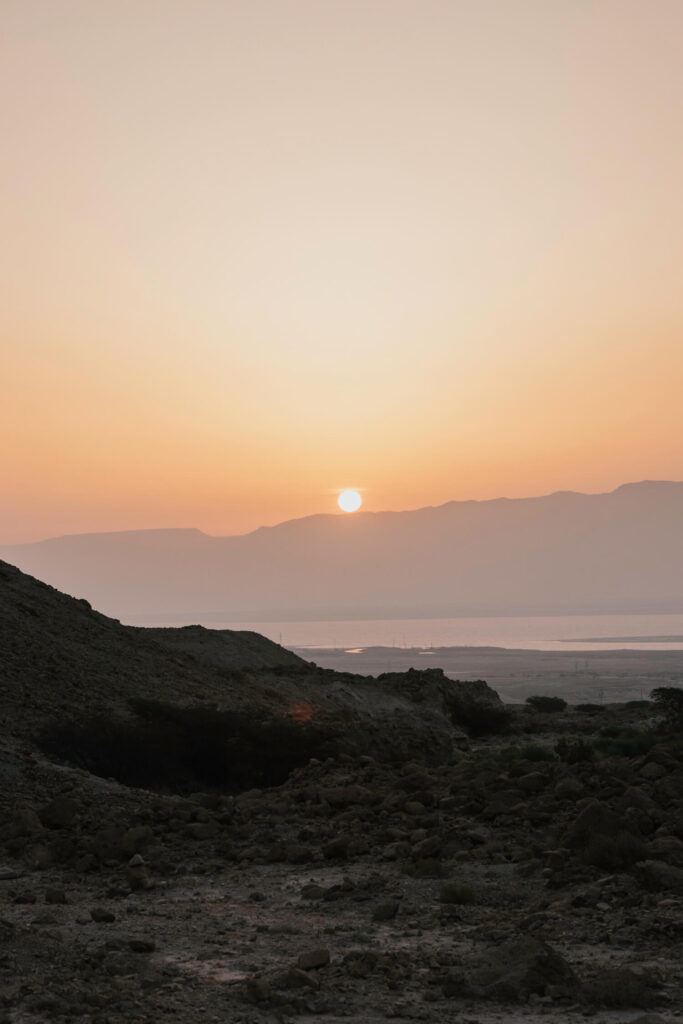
<point x="257" y="251"/>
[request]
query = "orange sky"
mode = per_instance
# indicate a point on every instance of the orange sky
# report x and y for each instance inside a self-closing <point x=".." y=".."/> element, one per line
<point x="255" y="252"/>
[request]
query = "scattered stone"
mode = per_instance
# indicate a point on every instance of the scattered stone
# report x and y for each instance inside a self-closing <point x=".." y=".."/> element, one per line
<point x="142" y="945"/>
<point x="54" y="895"/>
<point x="137" y="874"/>
<point x="521" y="967"/>
<point x="312" y="892"/>
<point x="102" y="916"/>
<point x="385" y="911"/>
<point x="313" y="959"/>
<point x="656" y="875"/>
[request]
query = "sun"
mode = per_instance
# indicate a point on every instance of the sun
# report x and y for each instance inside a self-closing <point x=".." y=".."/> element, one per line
<point x="349" y="501"/>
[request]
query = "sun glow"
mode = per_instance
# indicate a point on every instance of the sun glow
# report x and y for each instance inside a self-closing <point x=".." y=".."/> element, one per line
<point x="349" y="501"/>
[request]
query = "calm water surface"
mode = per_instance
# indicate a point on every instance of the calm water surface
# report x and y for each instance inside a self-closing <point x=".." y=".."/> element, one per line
<point x="542" y="633"/>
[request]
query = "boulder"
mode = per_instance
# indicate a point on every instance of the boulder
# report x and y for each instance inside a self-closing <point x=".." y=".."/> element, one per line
<point x="595" y="818"/>
<point x="656" y="875"/>
<point x="522" y="967"/>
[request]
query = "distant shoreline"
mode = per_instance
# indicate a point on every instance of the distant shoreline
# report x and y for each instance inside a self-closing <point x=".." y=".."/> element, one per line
<point x="622" y="640"/>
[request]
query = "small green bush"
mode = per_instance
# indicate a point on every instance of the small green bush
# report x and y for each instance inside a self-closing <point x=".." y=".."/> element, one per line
<point x="547" y="704"/>
<point x="614" y="853"/>
<point x="453" y="892"/>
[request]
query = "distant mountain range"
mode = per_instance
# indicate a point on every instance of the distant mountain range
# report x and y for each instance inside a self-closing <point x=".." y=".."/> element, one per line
<point x="559" y="554"/>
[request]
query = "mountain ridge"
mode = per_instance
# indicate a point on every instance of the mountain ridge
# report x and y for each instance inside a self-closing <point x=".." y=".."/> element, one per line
<point x="560" y="553"/>
<point x="187" y="530"/>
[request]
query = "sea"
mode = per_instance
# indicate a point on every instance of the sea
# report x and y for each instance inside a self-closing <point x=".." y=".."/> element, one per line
<point x="533" y="633"/>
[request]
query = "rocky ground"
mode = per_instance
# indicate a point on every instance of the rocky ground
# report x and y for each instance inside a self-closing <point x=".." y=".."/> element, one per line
<point x="356" y="890"/>
<point x="532" y="875"/>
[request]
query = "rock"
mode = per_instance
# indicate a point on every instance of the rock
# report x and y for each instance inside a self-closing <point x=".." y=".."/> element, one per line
<point x="54" y="895"/>
<point x="666" y="848"/>
<point x="522" y="967"/>
<point x="656" y="875"/>
<point x="142" y="945"/>
<point x="295" y="853"/>
<point x="313" y="959"/>
<point x="200" y="830"/>
<point x="430" y="847"/>
<point x="7" y="872"/>
<point x="137" y="874"/>
<point x="360" y="963"/>
<point x="135" y="840"/>
<point x="385" y="911"/>
<point x="59" y="813"/>
<point x="503" y="801"/>
<point x="596" y="818"/>
<point x="102" y="916"/>
<point x="569" y="788"/>
<point x="337" y="849"/>
<point x="26" y="822"/>
<point x="312" y="892"/>
<point x="107" y="844"/>
<point x="296" y="977"/>
<point x="533" y="782"/>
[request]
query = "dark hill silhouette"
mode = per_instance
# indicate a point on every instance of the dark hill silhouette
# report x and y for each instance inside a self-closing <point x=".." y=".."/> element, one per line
<point x="61" y="660"/>
<point x="562" y="553"/>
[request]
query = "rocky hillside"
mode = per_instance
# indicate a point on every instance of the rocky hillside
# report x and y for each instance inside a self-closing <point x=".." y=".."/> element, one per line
<point x="531" y="876"/>
<point x="60" y="659"/>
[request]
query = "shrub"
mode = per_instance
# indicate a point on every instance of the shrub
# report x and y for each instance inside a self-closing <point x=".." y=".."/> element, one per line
<point x="625" y="742"/>
<point x="185" y="749"/>
<point x="453" y="892"/>
<point x="575" y="751"/>
<point x="428" y="867"/>
<point x="619" y="988"/>
<point x="590" y="709"/>
<point x="615" y="853"/>
<point x="480" y="718"/>
<point x="536" y="752"/>
<point x="668" y="701"/>
<point x="548" y="704"/>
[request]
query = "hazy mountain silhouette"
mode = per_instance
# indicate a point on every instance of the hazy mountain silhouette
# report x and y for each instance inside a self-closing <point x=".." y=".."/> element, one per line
<point x="565" y="552"/>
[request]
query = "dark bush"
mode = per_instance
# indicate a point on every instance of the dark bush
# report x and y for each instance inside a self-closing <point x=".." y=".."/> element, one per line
<point x="590" y="709"/>
<point x="668" y="701"/>
<point x="615" y="853"/>
<point x="547" y="704"/>
<point x="184" y="749"/>
<point x="453" y="892"/>
<point x="619" y="988"/>
<point x="575" y="751"/>
<point x="536" y="752"/>
<point x="624" y="742"/>
<point x="428" y="867"/>
<point x="481" y="719"/>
